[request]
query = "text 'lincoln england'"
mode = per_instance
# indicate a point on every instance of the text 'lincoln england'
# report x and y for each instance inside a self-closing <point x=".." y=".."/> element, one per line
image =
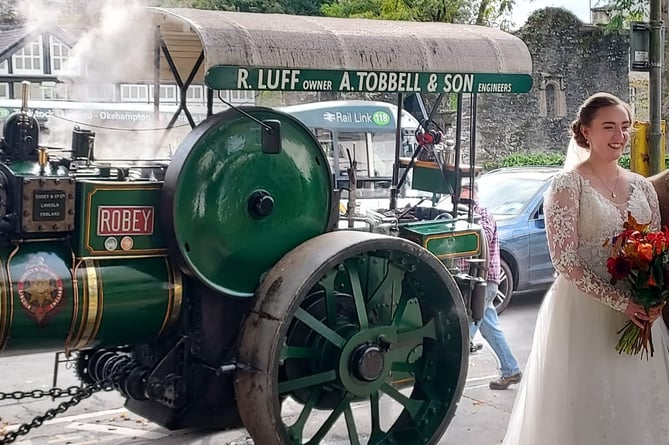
<point x="131" y="220"/>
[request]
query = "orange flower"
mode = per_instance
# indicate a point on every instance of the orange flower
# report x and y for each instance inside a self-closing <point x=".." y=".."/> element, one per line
<point x="641" y="257"/>
<point x="646" y="252"/>
<point x="632" y="224"/>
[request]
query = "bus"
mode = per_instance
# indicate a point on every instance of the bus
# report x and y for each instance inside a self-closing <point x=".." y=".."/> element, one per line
<point x="364" y="129"/>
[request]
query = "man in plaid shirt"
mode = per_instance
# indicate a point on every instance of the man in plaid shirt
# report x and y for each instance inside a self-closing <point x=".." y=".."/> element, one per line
<point x="489" y="324"/>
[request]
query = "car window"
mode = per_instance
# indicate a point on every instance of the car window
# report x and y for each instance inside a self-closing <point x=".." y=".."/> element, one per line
<point x="506" y="194"/>
<point x="539" y="214"/>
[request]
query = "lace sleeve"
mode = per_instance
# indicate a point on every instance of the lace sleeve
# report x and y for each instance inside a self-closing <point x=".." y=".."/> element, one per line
<point x="653" y="202"/>
<point x="562" y="215"/>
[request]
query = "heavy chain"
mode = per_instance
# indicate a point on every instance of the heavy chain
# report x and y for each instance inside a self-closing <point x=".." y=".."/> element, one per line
<point x="39" y="393"/>
<point x="77" y="394"/>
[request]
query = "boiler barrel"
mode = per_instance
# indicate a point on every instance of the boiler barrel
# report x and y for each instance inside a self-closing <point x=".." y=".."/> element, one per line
<point x="50" y="301"/>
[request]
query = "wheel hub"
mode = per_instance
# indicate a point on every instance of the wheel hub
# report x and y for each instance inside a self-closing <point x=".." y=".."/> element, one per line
<point x="367" y="363"/>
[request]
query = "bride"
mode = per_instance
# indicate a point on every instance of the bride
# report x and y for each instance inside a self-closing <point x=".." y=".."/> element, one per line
<point x="577" y="390"/>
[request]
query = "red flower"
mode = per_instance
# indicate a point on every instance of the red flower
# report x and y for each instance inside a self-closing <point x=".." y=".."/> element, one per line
<point x="619" y="268"/>
<point x="640" y="257"/>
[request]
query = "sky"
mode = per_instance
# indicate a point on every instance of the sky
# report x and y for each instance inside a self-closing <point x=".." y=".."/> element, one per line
<point x="580" y="8"/>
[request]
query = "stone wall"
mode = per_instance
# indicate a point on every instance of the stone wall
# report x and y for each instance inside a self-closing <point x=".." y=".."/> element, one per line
<point x="570" y="62"/>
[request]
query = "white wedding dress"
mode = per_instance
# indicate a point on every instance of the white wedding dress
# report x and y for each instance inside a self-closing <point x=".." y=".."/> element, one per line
<point x="576" y="389"/>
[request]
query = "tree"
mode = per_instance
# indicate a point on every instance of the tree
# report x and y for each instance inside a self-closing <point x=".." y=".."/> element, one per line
<point x="625" y="11"/>
<point x="9" y="14"/>
<point x="299" y="7"/>
<point x="481" y="12"/>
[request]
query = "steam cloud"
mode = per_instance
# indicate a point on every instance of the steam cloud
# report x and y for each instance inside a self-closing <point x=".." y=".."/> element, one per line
<point x="115" y="47"/>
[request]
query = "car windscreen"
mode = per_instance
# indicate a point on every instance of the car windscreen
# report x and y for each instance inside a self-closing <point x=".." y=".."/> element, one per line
<point x="506" y="194"/>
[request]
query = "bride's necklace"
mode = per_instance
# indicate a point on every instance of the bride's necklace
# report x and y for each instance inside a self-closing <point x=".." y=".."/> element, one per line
<point x="615" y="186"/>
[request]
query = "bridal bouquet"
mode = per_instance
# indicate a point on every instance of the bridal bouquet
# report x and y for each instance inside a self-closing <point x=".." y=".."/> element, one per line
<point x="641" y="257"/>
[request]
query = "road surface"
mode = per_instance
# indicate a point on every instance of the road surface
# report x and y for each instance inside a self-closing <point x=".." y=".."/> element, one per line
<point x="480" y="419"/>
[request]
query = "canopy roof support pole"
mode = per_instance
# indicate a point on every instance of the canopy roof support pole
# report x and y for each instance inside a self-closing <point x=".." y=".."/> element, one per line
<point x="421" y="105"/>
<point x="424" y="123"/>
<point x="156" y="73"/>
<point x="472" y="146"/>
<point x="210" y="101"/>
<point x="183" y="88"/>
<point x="458" y="149"/>
<point x="396" y="165"/>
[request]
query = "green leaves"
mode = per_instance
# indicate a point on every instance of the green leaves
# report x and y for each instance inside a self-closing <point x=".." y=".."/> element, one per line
<point x="299" y="7"/>
<point x="482" y="12"/>
<point x="9" y="14"/>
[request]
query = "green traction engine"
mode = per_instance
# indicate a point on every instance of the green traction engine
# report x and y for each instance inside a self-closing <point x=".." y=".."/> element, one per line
<point x="218" y="291"/>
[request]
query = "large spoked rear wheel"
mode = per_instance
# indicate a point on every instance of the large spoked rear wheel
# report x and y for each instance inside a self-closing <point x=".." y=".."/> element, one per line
<point x="355" y="338"/>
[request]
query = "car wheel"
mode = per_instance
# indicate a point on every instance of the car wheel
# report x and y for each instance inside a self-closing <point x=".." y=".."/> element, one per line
<point x="505" y="289"/>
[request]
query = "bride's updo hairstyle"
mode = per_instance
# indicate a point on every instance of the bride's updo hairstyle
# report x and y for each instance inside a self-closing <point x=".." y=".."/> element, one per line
<point x="588" y="110"/>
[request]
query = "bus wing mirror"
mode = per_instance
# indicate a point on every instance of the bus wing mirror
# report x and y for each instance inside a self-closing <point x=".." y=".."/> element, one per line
<point x="271" y="136"/>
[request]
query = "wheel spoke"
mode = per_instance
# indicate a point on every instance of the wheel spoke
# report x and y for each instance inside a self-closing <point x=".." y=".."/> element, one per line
<point x="416" y="336"/>
<point x="358" y="296"/>
<point x="332" y="418"/>
<point x="307" y="381"/>
<point x="412" y="406"/>
<point x="403" y="373"/>
<point x="289" y="352"/>
<point x="296" y="430"/>
<point x="350" y="426"/>
<point x="392" y="281"/>
<point x="328" y="283"/>
<point x="401" y="306"/>
<point x="375" y="413"/>
<point x="327" y="333"/>
<point x="409" y="368"/>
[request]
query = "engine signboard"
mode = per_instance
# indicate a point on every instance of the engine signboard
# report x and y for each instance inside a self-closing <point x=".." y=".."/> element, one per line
<point x="125" y="220"/>
<point x="49" y="205"/>
<point x="119" y="219"/>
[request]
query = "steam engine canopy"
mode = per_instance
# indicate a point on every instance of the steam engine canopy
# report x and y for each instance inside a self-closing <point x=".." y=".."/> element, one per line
<point x="232" y="210"/>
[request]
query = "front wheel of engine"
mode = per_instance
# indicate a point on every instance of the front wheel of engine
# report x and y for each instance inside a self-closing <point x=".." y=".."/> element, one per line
<point x="355" y="337"/>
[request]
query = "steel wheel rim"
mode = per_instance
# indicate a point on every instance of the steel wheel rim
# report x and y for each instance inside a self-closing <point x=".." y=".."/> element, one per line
<point x="363" y="352"/>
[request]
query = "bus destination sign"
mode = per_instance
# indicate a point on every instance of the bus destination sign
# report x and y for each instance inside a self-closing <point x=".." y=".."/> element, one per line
<point x="286" y="79"/>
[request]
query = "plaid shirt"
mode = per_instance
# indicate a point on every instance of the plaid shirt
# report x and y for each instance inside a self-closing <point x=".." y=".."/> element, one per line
<point x="490" y="227"/>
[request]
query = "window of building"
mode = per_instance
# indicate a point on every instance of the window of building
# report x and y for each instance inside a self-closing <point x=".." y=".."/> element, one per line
<point x="551" y="100"/>
<point x="168" y="93"/>
<point x="98" y="93"/>
<point x="134" y="93"/>
<point x="4" y="67"/>
<point x="34" y="90"/>
<point x="195" y="94"/>
<point x="4" y="90"/>
<point x="60" y="56"/>
<point x="28" y="60"/>
<point x="242" y="96"/>
<point x="53" y="91"/>
<point x="48" y="90"/>
<point x="223" y="94"/>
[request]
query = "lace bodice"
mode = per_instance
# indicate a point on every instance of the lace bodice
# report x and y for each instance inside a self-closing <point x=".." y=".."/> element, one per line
<point x="579" y="220"/>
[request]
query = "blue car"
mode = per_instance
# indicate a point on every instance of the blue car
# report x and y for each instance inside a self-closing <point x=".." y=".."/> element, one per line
<point x="515" y="196"/>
